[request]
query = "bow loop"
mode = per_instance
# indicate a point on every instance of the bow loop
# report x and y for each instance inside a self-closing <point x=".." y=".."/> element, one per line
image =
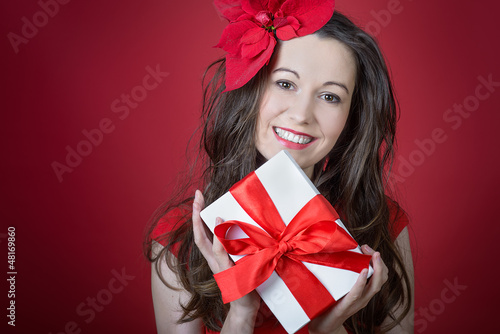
<point x="257" y="238"/>
<point x="312" y="239"/>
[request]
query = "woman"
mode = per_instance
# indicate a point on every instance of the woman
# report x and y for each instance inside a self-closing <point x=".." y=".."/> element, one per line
<point x="324" y="94"/>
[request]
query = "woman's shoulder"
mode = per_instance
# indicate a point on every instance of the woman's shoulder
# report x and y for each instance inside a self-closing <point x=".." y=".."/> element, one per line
<point x="398" y="219"/>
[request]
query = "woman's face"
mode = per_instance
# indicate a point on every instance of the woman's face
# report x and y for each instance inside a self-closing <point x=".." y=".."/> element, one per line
<point x="306" y="100"/>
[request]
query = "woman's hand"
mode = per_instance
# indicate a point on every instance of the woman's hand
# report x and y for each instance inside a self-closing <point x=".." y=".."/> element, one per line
<point x="331" y="321"/>
<point x="243" y="311"/>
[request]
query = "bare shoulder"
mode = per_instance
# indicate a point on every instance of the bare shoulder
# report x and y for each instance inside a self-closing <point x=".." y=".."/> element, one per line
<point x="402" y="242"/>
<point x="167" y="301"/>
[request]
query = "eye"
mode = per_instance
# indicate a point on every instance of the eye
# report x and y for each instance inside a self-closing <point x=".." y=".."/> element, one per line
<point x="285" y="85"/>
<point x="330" y="98"/>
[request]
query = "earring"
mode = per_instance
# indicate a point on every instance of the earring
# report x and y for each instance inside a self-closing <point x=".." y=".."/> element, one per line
<point x="326" y="163"/>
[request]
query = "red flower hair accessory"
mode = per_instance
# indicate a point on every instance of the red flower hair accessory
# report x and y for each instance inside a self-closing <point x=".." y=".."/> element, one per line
<point x="254" y="25"/>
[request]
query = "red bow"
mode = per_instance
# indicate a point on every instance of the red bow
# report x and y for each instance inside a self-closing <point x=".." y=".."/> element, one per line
<point x="250" y="37"/>
<point x="312" y="236"/>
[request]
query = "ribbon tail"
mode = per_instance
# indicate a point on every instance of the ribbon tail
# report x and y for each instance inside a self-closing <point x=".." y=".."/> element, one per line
<point x="313" y="298"/>
<point x="248" y="273"/>
<point x="345" y="260"/>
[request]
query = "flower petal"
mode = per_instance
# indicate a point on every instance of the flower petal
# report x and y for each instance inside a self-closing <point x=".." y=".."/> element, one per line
<point x="299" y="7"/>
<point x="293" y="22"/>
<point x="254" y="35"/>
<point x="285" y="33"/>
<point x="311" y="14"/>
<point x="230" y="40"/>
<point x="289" y="30"/>
<point x="240" y="70"/>
<point x="253" y="49"/>
<point x="254" y="6"/>
<point x="279" y="22"/>
<point x="229" y="9"/>
<point x="274" y="5"/>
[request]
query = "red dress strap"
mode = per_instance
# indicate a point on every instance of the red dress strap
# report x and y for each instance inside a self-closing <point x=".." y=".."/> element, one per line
<point x="167" y="224"/>
<point x="398" y="219"/>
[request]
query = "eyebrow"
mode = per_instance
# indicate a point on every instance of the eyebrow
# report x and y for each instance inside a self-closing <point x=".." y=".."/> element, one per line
<point x="328" y="83"/>
<point x="284" y="69"/>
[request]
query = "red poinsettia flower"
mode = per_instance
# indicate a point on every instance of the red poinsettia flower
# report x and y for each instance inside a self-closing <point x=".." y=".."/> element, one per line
<point x="254" y="25"/>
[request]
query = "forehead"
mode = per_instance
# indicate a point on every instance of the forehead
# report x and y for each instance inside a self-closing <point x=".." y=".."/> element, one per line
<point x="321" y="59"/>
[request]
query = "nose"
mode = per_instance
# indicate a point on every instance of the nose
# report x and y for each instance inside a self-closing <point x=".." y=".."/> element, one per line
<point x="301" y="111"/>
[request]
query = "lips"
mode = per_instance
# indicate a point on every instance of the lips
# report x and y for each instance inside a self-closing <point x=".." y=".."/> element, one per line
<point x="293" y="139"/>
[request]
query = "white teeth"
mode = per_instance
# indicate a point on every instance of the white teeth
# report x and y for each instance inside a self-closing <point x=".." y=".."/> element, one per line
<point x="287" y="135"/>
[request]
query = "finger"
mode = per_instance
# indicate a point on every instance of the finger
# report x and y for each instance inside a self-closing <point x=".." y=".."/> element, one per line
<point x="200" y="236"/>
<point x="220" y="253"/>
<point x="380" y="275"/>
<point x="356" y="292"/>
<point x="367" y="250"/>
<point x="380" y="270"/>
<point x="347" y="306"/>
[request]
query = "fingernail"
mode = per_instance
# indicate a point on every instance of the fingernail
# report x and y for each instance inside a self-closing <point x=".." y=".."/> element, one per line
<point x="364" y="273"/>
<point x="369" y="248"/>
<point x="196" y="194"/>
<point x="218" y="221"/>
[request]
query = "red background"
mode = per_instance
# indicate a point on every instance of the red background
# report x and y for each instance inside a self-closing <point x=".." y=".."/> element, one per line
<point x="71" y="235"/>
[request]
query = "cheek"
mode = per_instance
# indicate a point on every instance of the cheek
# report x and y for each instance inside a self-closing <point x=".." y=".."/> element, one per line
<point x="333" y="125"/>
<point x="264" y="118"/>
<point x="269" y="110"/>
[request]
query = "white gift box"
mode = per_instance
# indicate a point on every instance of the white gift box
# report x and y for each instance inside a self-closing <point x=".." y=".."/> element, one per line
<point x="289" y="189"/>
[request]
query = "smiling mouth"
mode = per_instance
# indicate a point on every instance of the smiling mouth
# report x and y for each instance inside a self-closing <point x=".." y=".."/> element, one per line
<point x="293" y="137"/>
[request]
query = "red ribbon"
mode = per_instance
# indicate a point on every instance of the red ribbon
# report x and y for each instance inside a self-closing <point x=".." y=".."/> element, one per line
<point x="312" y="236"/>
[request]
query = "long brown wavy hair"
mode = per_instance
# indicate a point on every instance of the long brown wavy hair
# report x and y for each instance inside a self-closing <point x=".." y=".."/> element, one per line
<point x="355" y="181"/>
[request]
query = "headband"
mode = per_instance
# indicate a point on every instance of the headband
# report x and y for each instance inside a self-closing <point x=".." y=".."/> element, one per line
<point x="254" y="27"/>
